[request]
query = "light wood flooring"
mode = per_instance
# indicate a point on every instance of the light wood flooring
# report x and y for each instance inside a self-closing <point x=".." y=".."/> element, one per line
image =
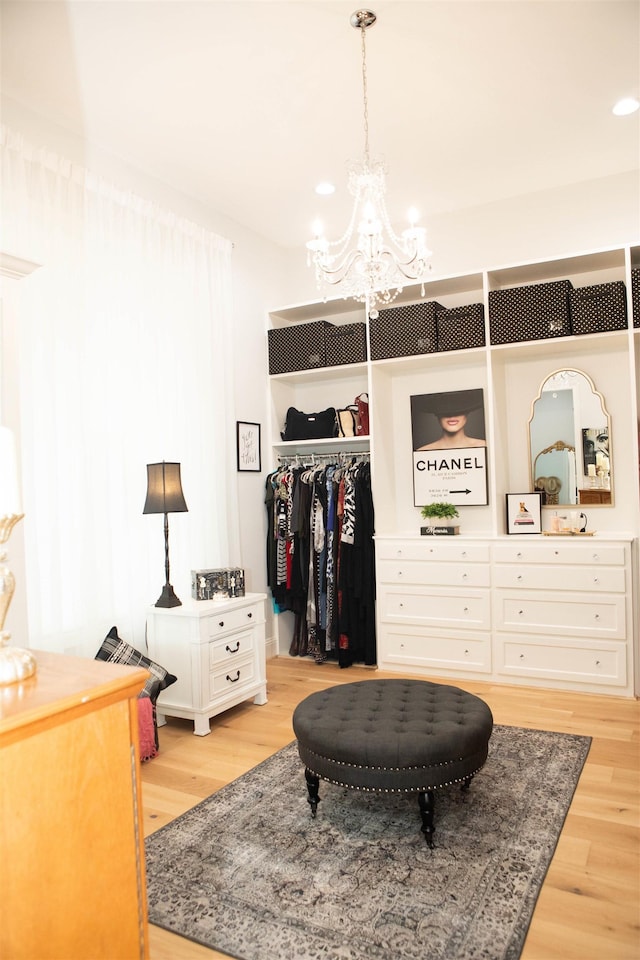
<point x="589" y="906"/>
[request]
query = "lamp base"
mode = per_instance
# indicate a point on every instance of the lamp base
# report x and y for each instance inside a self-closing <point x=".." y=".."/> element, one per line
<point x="168" y="598"/>
<point x="15" y="664"/>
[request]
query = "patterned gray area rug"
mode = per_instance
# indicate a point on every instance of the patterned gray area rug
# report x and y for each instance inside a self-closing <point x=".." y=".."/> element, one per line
<point x="248" y="872"/>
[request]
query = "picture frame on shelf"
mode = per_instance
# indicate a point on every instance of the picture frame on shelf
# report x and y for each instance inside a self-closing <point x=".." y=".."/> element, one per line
<point x="524" y="513"/>
<point x="248" y="447"/>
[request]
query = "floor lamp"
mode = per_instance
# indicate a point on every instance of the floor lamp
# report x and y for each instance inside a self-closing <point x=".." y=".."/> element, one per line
<point x="164" y="495"/>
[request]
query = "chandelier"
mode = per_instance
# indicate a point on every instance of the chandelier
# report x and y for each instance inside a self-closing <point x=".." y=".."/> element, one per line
<point x="370" y="261"/>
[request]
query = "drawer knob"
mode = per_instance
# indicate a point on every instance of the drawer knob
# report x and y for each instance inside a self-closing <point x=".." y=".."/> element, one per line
<point x="249" y="615"/>
<point x="465" y="576"/>
<point x="522" y="656"/>
<point x="399" y="553"/>
<point x="234" y="679"/>
<point x="596" y="579"/>
<point x="520" y="612"/>
<point x="464" y="553"/>
<point x="597" y="616"/>
<point x="466" y="653"/>
<point x="401" y="605"/>
<point x="399" y="573"/>
<point x="233" y="649"/>
<point x="597" y="663"/>
<point x="466" y="609"/>
<point x="596" y="556"/>
<point x="556" y="553"/>
<point x="518" y="555"/>
<point x="519" y="577"/>
<point x="221" y="623"/>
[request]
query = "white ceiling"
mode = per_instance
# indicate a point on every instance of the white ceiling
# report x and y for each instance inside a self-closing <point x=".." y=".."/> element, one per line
<point x="247" y="105"/>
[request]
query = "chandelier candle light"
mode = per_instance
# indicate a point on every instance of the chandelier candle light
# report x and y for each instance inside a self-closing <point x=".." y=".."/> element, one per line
<point x="15" y="664"/>
<point x="370" y="261"/>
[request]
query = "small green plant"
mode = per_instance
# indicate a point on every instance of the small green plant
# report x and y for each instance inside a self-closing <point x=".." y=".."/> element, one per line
<point x="441" y="511"/>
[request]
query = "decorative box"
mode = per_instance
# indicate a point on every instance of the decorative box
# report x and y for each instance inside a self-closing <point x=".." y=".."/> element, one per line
<point x="404" y="331"/>
<point x="600" y="307"/>
<point x="299" y="347"/>
<point x="533" y="312"/>
<point x="217" y="584"/>
<point x="635" y="295"/>
<point x="346" y="344"/>
<point x="461" y="327"/>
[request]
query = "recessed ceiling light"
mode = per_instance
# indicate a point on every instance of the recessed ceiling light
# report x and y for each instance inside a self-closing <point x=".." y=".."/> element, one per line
<point x="325" y="188"/>
<point x="626" y="106"/>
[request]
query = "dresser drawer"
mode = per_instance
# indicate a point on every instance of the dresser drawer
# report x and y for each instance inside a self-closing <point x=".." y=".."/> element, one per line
<point x="584" y="661"/>
<point x="564" y="614"/>
<point x="445" y="607"/>
<point x="434" y="574"/>
<point x="226" y="621"/>
<point x="556" y="551"/>
<point x="231" y="677"/>
<point x="231" y="648"/>
<point x="415" y="649"/>
<point x="541" y="577"/>
<point x="444" y="550"/>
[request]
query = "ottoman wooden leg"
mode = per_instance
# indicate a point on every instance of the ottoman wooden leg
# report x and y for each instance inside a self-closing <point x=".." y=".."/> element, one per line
<point x="313" y="782"/>
<point x="426" y="804"/>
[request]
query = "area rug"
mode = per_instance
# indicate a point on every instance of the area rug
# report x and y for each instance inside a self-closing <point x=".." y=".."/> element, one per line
<point x="249" y="873"/>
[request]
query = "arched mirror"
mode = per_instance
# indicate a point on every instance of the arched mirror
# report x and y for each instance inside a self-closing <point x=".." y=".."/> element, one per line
<point x="570" y="442"/>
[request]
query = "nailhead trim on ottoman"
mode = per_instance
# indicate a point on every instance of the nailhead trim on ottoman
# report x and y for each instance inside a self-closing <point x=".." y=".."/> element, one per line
<point x="393" y="735"/>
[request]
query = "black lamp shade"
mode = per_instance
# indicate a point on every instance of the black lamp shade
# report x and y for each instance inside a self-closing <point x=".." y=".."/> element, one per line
<point x="164" y="489"/>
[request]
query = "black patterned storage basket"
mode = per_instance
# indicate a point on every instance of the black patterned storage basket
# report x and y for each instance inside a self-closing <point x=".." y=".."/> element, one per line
<point x="600" y="307"/>
<point x="461" y="327"/>
<point x="346" y="344"/>
<point x="299" y="347"/>
<point x="635" y="295"/>
<point x="404" y="331"/>
<point x="534" y="312"/>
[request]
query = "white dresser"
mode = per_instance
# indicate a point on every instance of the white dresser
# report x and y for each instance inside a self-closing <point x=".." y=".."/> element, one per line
<point x="216" y="649"/>
<point x="541" y="611"/>
<point x="434" y="604"/>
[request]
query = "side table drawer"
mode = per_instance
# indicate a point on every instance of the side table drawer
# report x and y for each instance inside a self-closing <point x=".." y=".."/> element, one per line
<point x="229" y="649"/>
<point x="228" y="620"/>
<point x="231" y="677"/>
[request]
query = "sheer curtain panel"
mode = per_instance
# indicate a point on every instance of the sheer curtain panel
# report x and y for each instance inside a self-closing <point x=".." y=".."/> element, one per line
<point x="125" y="359"/>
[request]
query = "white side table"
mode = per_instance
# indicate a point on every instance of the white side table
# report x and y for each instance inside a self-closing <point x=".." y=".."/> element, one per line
<point x="216" y="649"/>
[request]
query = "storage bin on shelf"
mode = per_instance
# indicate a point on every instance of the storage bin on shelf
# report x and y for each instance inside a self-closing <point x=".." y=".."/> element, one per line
<point x="536" y="311"/>
<point x="461" y="327"/>
<point x="598" y="308"/>
<point x="635" y="295"/>
<point x="301" y="346"/>
<point x="404" y="331"/>
<point x="346" y="343"/>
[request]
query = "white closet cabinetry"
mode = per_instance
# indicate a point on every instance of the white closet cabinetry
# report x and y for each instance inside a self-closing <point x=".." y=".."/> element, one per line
<point x="417" y="606"/>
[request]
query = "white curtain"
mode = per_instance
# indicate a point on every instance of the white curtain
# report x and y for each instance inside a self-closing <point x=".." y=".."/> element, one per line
<point x="125" y="359"/>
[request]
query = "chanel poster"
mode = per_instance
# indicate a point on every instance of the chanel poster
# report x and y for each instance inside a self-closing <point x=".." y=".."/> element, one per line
<point x="449" y="448"/>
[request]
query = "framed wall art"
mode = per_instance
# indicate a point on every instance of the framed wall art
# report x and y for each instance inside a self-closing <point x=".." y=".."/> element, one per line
<point x="449" y="448"/>
<point x="248" y="447"/>
<point x="524" y="513"/>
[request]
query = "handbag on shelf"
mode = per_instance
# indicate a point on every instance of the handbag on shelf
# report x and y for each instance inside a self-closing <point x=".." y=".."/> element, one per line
<point x="347" y="420"/>
<point x="309" y="426"/>
<point x="362" y="403"/>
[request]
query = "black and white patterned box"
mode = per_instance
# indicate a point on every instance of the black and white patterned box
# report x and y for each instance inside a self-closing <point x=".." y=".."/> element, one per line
<point x="600" y="307"/>
<point x="461" y="327"/>
<point x="635" y="295"/>
<point x="533" y="312"/>
<point x="346" y="343"/>
<point x="404" y="331"/>
<point x="301" y="346"/>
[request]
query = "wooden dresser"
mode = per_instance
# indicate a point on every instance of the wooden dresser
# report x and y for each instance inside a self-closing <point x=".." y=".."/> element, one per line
<point x="71" y="843"/>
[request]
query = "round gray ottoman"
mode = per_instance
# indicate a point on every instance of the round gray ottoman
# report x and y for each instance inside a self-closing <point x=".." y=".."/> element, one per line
<point x="407" y="736"/>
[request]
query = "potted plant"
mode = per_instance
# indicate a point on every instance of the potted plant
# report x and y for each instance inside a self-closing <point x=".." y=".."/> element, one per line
<point x="443" y="512"/>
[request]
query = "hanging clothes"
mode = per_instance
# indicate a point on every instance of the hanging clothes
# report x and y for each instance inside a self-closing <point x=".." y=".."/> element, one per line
<point x="320" y="557"/>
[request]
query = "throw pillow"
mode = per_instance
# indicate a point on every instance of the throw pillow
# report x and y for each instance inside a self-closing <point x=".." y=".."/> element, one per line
<point x="115" y="650"/>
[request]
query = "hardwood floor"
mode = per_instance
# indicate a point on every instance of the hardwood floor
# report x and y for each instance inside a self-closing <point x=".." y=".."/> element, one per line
<point x="589" y="906"/>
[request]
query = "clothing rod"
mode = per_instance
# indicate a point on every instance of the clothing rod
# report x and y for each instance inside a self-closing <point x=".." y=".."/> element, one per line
<point x="337" y="455"/>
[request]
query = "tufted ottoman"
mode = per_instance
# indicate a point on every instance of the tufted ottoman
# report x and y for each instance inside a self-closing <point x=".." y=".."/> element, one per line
<point x="394" y="736"/>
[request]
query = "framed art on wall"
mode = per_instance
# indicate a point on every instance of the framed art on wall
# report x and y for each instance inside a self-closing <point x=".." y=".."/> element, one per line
<point x="524" y="513"/>
<point x="248" y="446"/>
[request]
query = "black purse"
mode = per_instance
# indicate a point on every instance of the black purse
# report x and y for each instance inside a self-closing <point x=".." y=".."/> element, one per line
<point x="309" y="426"/>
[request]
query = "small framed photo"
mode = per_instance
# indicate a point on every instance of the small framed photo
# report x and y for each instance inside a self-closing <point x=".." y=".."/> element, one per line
<point x="524" y="513"/>
<point x="248" y="446"/>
